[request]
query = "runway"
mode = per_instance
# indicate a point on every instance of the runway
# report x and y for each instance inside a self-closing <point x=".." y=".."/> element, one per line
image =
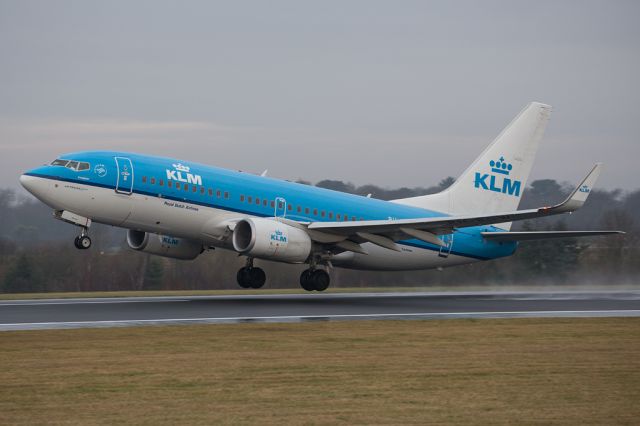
<point x="136" y="311"/>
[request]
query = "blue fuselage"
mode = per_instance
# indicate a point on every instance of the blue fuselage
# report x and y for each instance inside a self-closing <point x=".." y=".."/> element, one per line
<point x="195" y="185"/>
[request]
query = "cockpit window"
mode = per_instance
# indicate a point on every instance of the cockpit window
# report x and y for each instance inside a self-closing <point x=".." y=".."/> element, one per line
<point x="73" y="165"/>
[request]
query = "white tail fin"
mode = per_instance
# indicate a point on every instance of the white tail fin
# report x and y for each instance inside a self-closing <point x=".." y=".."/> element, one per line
<point x="496" y="179"/>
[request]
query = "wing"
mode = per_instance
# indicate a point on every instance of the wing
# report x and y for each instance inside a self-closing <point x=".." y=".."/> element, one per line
<point x="348" y="235"/>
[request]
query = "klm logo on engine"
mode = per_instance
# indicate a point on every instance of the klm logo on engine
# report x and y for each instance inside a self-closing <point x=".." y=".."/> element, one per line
<point x="182" y="174"/>
<point x="498" y="180"/>
<point x="170" y="241"/>
<point x="278" y="237"/>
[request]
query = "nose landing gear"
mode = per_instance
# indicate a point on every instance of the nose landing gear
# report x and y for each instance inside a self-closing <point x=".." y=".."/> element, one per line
<point x="82" y="241"/>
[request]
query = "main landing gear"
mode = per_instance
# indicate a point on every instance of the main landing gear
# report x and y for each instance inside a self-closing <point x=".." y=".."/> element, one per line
<point x="82" y="241"/>
<point x="251" y="276"/>
<point x="315" y="279"/>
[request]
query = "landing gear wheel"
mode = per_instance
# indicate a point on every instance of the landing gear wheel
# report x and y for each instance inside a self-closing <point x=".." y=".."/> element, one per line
<point x="244" y="277"/>
<point x="84" y="242"/>
<point x="257" y="277"/>
<point x="320" y="280"/>
<point x="305" y="280"/>
<point x="250" y="277"/>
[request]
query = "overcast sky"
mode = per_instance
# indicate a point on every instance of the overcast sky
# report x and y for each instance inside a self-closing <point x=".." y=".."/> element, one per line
<point x="393" y="93"/>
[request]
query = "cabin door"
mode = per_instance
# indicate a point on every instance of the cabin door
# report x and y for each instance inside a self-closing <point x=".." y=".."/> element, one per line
<point x="445" y="251"/>
<point x="124" y="183"/>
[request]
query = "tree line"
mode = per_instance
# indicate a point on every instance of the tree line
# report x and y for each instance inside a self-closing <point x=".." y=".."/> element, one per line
<point x="37" y="253"/>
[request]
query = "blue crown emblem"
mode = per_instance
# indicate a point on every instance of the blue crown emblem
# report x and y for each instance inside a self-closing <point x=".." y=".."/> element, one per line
<point x="500" y="166"/>
<point x="181" y="168"/>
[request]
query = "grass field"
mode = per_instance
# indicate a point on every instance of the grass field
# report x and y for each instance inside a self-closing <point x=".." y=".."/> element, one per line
<point x="571" y="371"/>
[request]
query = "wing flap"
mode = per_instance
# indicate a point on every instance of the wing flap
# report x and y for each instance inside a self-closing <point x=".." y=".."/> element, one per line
<point x="542" y="235"/>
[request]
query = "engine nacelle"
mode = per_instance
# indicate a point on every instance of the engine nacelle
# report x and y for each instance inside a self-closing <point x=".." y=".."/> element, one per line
<point x="163" y="245"/>
<point x="270" y="239"/>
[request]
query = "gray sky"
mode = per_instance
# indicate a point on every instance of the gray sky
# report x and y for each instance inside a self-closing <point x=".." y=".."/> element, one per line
<point x="394" y="93"/>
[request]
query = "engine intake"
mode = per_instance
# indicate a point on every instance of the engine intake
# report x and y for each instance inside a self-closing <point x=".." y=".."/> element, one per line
<point x="270" y="239"/>
<point x="163" y="245"/>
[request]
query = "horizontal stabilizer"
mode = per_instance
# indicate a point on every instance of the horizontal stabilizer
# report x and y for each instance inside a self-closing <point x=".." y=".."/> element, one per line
<point x="542" y="235"/>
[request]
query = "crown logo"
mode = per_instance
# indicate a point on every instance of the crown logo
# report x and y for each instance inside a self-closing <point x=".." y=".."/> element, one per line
<point x="179" y="167"/>
<point x="500" y="166"/>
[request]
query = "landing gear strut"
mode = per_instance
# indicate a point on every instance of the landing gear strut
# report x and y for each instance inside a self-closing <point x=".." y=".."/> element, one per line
<point x="82" y="242"/>
<point x="251" y="276"/>
<point x="315" y="279"/>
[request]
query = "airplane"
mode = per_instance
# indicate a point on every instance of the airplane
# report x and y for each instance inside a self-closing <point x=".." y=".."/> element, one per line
<point x="178" y="209"/>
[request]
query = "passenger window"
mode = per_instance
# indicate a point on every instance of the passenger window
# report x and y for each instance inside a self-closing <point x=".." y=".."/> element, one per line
<point x="169" y="183"/>
<point x="59" y="162"/>
<point x="322" y="213"/>
<point x="299" y="209"/>
<point x="249" y="200"/>
<point x="258" y="201"/>
<point x="160" y="182"/>
<point x="153" y="181"/>
<point x="242" y="198"/>
<point x="345" y="218"/>
<point x="338" y="216"/>
<point x="265" y="202"/>
<point x="218" y="193"/>
<point x="273" y="204"/>
<point x="202" y="190"/>
<point x="315" y="212"/>
<point x="226" y="195"/>
<point x="290" y="207"/>
<point x="330" y="215"/>
<point x="306" y="210"/>
<point x="177" y="185"/>
<point x="210" y="192"/>
<point x="186" y="187"/>
<point x="353" y="218"/>
<point x="144" y="179"/>
<point x="194" y="188"/>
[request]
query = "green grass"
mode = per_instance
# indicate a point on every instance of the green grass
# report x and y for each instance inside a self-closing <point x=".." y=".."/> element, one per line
<point x="562" y="371"/>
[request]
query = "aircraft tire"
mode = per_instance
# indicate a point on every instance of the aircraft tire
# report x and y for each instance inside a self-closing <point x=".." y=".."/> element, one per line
<point x="244" y="277"/>
<point x="306" y="281"/>
<point x="83" y="242"/>
<point x="76" y="243"/>
<point x="320" y="280"/>
<point x="257" y="277"/>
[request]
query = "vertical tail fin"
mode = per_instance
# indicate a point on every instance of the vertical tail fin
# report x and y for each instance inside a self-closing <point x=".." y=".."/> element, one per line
<point x="496" y="179"/>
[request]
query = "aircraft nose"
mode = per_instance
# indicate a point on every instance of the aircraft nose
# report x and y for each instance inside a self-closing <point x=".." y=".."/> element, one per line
<point x="35" y="185"/>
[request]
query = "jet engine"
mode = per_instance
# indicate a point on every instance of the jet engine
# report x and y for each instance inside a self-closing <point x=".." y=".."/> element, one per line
<point x="270" y="239"/>
<point x="163" y="245"/>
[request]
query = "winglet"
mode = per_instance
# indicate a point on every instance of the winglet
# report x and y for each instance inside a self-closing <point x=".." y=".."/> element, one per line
<point x="580" y="194"/>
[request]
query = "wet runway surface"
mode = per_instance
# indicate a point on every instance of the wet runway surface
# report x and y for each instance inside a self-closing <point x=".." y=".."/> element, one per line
<point x="134" y="311"/>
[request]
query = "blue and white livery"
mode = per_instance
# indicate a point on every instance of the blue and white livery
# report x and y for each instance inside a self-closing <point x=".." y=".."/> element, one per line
<point x="179" y="208"/>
